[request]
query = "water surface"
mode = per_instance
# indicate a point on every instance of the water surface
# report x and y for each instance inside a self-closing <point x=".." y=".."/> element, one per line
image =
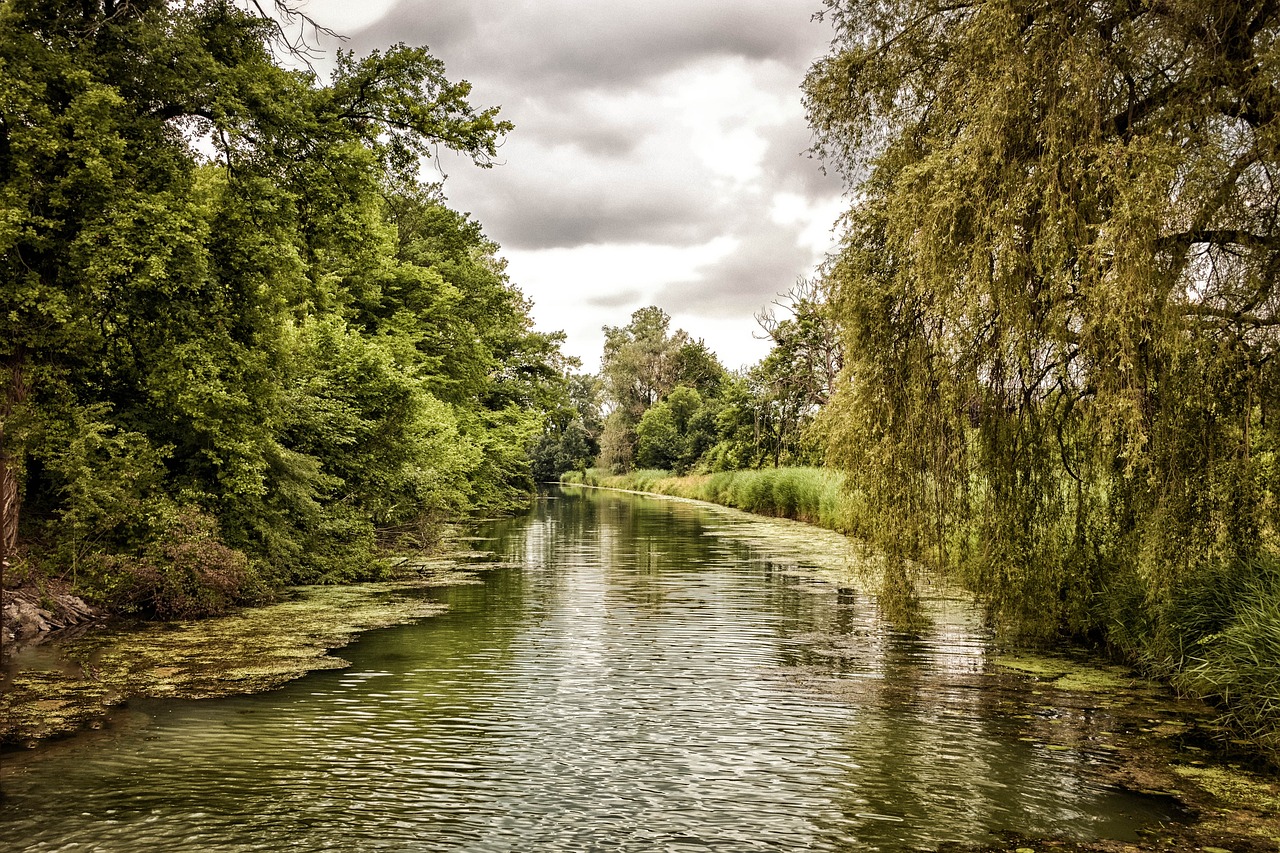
<point x="656" y="676"/>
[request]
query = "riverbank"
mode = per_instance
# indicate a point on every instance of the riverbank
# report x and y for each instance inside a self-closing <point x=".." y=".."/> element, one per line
<point x="74" y="681"/>
<point x="814" y="496"/>
<point x="30" y="615"/>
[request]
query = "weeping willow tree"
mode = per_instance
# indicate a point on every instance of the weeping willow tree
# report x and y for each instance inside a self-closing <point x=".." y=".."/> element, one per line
<point x="1057" y="283"/>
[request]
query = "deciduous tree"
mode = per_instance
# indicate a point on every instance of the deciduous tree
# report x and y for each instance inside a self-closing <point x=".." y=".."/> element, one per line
<point x="1058" y="287"/>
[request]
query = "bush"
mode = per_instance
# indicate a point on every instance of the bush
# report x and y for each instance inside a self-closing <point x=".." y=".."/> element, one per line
<point x="185" y="573"/>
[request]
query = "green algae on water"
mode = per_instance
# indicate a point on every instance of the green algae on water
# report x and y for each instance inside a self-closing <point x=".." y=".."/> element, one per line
<point x="1075" y="676"/>
<point x="1236" y="787"/>
<point x="247" y="652"/>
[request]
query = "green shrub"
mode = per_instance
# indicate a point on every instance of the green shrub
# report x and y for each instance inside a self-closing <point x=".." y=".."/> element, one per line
<point x="185" y="573"/>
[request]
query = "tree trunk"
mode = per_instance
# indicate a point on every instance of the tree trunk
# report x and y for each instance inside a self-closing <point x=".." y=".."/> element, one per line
<point x="15" y="394"/>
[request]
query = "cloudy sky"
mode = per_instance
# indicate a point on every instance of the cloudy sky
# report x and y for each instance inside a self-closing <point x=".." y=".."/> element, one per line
<point x="658" y="156"/>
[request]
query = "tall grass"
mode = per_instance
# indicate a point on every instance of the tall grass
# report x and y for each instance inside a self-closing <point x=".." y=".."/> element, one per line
<point x="1226" y="632"/>
<point x="813" y="495"/>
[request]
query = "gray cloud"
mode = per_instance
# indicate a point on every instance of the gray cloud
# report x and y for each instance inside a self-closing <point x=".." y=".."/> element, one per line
<point x="562" y="204"/>
<point x="564" y="43"/>
<point x="586" y="163"/>
<point x="790" y="164"/>
<point x="616" y="299"/>
<point x="745" y="281"/>
<point x="642" y="123"/>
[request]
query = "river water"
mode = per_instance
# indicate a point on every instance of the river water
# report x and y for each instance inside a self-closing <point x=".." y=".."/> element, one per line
<point x="653" y="676"/>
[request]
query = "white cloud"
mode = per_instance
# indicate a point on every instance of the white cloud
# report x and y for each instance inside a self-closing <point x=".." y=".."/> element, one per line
<point x="343" y="16"/>
<point x="582" y="289"/>
<point x="815" y="218"/>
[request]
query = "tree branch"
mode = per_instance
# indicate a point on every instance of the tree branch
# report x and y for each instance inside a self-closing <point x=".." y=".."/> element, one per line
<point x="1221" y="237"/>
<point x="1237" y="317"/>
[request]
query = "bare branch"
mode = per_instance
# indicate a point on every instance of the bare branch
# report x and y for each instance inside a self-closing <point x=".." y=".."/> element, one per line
<point x="1237" y="317"/>
<point x="285" y="17"/>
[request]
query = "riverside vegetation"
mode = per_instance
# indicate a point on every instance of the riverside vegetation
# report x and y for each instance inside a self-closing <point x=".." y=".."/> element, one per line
<point x="244" y="345"/>
<point x="247" y="347"/>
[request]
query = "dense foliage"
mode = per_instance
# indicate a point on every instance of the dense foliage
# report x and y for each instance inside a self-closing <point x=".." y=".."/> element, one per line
<point x="673" y="406"/>
<point x="1058" y="289"/>
<point x="243" y="345"/>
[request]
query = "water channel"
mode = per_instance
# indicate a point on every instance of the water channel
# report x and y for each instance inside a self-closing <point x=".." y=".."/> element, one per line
<point x="653" y="676"/>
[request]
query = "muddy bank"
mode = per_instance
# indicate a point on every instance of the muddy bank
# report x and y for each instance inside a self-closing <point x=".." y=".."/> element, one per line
<point x="72" y="680"/>
<point x="29" y="616"/>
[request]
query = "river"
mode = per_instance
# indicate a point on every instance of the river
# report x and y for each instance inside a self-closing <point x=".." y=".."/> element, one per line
<point x="652" y="676"/>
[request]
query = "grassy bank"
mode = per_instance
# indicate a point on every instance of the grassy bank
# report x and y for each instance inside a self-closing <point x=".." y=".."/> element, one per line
<point x="813" y="495"/>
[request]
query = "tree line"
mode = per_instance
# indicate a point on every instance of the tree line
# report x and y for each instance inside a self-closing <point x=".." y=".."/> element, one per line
<point x="244" y="344"/>
<point x="662" y="400"/>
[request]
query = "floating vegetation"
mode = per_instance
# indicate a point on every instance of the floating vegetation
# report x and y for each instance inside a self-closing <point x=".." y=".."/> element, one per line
<point x="1235" y="787"/>
<point x="247" y="652"/>
<point x="1063" y="673"/>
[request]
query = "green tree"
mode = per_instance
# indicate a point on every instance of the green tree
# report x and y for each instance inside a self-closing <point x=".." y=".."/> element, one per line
<point x="290" y="348"/>
<point x="697" y="367"/>
<point x="1057" y="286"/>
<point x="796" y="379"/>
<point x="640" y="361"/>
<point x="570" y="440"/>
<point x="670" y="435"/>
<point x="643" y="363"/>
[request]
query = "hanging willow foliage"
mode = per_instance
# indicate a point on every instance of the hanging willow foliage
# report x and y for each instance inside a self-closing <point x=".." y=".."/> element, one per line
<point x="1058" y="288"/>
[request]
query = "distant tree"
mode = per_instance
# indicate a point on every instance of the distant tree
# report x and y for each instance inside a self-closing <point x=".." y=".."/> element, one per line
<point x="671" y="435"/>
<point x="638" y="368"/>
<point x="659" y="442"/>
<point x="807" y="344"/>
<point x="795" y="380"/>
<point x="648" y="369"/>
<point x="617" y="443"/>
<point x="585" y="395"/>
<point x="641" y="361"/>
<point x="570" y="440"/>
<point x="698" y="368"/>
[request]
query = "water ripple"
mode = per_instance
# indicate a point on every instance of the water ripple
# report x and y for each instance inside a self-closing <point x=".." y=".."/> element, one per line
<point x="655" y="682"/>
